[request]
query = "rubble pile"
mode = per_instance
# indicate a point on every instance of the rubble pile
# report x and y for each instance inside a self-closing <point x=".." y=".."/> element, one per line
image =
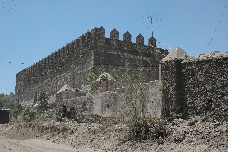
<point x="194" y="134"/>
<point x="210" y="56"/>
<point x="194" y="131"/>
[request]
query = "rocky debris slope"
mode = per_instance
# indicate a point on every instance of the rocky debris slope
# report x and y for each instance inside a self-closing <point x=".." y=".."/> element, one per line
<point x="212" y="134"/>
<point x="182" y="135"/>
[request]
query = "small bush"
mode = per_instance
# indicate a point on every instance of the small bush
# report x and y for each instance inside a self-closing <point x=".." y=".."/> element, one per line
<point x="28" y="115"/>
<point x="92" y="81"/>
<point x="16" y="109"/>
<point x="43" y="102"/>
<point x="31" y="114"/>
<point x="149" y="128"/>
<point x="40" y="113"/>
<point x="48" y="114"/>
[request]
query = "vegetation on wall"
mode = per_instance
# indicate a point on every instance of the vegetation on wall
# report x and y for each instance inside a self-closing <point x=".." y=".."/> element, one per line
<point x="8" y="102"/>
<point x="39" y="112"/>
<point x="92" y="81"/>
<point x="43" y="102"/>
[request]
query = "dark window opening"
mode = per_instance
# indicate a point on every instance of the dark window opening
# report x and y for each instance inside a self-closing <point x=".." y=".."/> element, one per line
<point x="210" y="103"/>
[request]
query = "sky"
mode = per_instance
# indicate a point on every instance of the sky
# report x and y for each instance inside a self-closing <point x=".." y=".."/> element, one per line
<point x="32" y="29"/>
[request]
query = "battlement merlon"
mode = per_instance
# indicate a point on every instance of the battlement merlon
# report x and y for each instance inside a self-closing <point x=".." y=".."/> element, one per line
<point x="93" y="38"/>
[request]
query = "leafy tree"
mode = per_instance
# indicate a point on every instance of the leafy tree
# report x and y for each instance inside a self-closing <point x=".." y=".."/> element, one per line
<point x="16" y="109"/>
<point x="2" y="101"/>
<point x="8" y="102"/>
<point x="43" y="102"/>
<point x="29" y="115"/>
<point x="41" y="113"/>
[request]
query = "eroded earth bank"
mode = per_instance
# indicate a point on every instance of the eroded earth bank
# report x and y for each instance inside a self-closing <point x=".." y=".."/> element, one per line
<point x="51" y="136"/>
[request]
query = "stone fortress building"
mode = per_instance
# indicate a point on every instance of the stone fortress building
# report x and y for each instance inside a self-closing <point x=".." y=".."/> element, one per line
<point x="172" y="84"/>
<point x="91" y="53"/>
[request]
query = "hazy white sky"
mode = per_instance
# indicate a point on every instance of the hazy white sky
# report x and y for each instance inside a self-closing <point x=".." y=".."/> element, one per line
<point x="32" y="29"/>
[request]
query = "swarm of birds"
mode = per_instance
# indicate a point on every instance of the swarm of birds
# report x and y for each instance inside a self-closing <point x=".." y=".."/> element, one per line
<point x="9" y="62"/>
<point x="218" y="24"/>
<point x="7" y="6"/>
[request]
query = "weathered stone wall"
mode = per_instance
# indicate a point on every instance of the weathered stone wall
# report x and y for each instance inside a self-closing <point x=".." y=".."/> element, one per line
<point x="123" y="103"/>
<point x="128" y="62"/>
<point x="195" y="85"/>
<point x="105" y="104"/>
<point x="173" y="88"/>
<point x="153" y="99"/>
<point x="206" y="87"/>
<point x="83" y="105"/>
<point x="90" y="53"/>
<point x="76" y="77"/>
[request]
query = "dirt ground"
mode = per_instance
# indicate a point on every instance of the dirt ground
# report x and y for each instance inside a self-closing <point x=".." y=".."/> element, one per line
<point x="31" y="145"/>
<point x="51" y="136"/>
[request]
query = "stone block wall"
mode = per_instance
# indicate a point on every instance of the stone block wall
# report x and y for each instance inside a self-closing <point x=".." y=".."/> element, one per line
<point x="83" y="105"/>
<point x="153" y="99"/>
<point x="173" y="88"/>
<point x="117" y="104"/>
<point x="76" y="76"/>
<point x="90" y="53"/>
<point x="195" y="85"/>
<point x="105" y="104"/>
<point x="206" y="87"/>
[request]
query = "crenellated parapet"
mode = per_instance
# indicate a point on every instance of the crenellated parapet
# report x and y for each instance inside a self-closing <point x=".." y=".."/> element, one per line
<point x="82" y="40"/>
<point x="88" y="39"/>
<point x="140" y="40"/>
<point x="114" y="35"/>
<point x="95" y="37"/>
<point x="127" y="37"/>
<point x="98" y="36"/>
<point x="152" y="42"/>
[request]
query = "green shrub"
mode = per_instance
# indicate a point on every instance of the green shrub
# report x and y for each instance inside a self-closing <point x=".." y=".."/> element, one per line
<point x="43" y="102"/>
<point x="40" y="113"/>
<point x="28" y="115"/>
<point x="14" y="106"/>
<point x="92" y="81"/>
<point x="44" y="115"/>
<point x="149" y="128"/>
<point x="31" y="114"/>
<point x="16" y="109"/>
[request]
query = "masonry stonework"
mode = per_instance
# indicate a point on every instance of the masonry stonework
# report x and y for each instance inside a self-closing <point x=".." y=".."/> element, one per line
<point x="187" y="86"/>
<point x="90" y="53"/>
<point x="206" y="87"/>
<point x="194" y="86"/>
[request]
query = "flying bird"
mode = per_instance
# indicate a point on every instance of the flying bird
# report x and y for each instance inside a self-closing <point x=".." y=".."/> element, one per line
<point x="154" y="17"/>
